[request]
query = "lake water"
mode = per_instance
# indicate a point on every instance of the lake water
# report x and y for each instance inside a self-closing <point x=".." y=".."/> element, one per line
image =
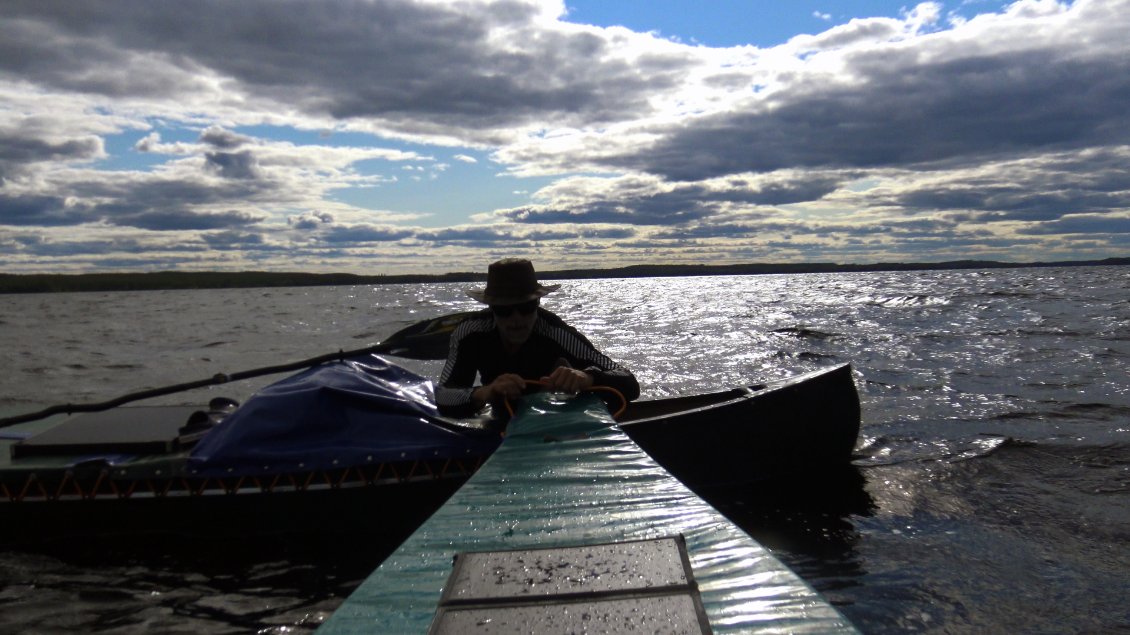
<point x="991" y="487"/>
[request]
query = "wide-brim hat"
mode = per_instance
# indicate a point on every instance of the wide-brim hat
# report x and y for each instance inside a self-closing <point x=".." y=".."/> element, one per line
<point x="511" y="281"/>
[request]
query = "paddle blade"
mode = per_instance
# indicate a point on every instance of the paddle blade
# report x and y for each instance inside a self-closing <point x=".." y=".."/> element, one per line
<point x="424" y="340"/>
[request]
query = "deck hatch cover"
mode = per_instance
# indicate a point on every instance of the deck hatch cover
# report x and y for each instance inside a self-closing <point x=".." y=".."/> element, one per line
<point x="135" y="430"/>
<point x="643" y="585"/>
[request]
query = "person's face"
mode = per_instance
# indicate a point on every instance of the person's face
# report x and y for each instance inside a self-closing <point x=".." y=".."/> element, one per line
<point x="515" y="322"/>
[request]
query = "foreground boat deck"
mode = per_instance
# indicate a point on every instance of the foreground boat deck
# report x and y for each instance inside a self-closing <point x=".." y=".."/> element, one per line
<point x="571" y="480"/>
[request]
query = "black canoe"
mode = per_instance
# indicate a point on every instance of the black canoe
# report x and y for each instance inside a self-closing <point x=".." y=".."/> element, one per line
<point x="754" y="433"/>
<point x="724" y="438"/>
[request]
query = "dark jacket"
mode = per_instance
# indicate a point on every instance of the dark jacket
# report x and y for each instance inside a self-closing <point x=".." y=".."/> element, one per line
<point x="476" y="347"/>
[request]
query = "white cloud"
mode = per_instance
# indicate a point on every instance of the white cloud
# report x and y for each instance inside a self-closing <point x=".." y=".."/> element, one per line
<point x="673" y="144"/>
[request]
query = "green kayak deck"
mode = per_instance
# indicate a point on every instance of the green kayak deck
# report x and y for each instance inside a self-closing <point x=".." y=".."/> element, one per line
<point x="567" y="479"/>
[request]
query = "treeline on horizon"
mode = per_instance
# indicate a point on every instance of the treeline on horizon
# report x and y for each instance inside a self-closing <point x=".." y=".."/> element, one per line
<point x="50" y="283"/>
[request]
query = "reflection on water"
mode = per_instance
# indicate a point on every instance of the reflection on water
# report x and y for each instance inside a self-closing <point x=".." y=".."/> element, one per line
<point x="178" y="584"/>
<point x="809" y="521"/>
<point x="965" y="532"/>
<point x="806" y="513"/>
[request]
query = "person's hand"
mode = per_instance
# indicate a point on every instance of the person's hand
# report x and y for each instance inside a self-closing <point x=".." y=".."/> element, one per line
<point x="506" y="386"/>
<point x="564" y="379"/>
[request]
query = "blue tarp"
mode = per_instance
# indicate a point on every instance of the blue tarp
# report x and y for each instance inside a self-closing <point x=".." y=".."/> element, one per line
<point x="349" y="413"/>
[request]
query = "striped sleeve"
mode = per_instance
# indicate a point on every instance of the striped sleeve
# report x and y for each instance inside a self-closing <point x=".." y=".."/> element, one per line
<point x="586" y="357"/>
<point x="456" y="381"/>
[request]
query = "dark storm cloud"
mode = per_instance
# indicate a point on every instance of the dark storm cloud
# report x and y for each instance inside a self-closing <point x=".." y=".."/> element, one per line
<point x="486" y="237"/>
<point x="677" y="204"/>
<point x="810" y="187"/>
<point x="647" y="211"/>
<point x="1081" y="224"/>
<point x="19" y="149"/>
<point x="440" y="68"/>
<point x="178" y="220"/>
<point x="927" y="135"/>
<point x="709" y="230"/>
<point x="1095" y="181"/>
<point x="232" y="239"/>
<point x="40" y="210"/>
<point x="416" y="65"/>
<point x="232" y="165"/>
<point x="40" y="247"/>
<point x="49" y="42"/>
<point x="223" y="139"/>
<point x="509" y="237"/>
<point x="224" y="160"/>
<point x="1002" y="202"/>
<point x="905" y="113"/>
<point x="364" y="234"/>
<point x="168" y="202"/>
<point x="310" y="220"/>
<point x="906" y="229"/>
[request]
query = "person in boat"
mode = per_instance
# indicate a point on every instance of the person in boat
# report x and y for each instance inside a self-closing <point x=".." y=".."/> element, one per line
<point x="515" y="339"/>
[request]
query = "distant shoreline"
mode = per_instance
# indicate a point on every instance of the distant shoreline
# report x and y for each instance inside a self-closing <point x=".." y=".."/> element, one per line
<point x="158" y="280"/>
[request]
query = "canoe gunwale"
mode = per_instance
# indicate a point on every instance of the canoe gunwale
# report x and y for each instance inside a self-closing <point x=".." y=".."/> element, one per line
<point x="102" y="484"/>
<point x="719" y="438"/>
<point x="722" y="409"/>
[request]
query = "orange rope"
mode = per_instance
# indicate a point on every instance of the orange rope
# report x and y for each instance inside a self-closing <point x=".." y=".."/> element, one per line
<point x="617" y="393"/>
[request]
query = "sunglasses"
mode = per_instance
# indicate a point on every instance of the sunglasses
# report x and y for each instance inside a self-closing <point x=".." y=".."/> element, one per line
<point x="506" y="310"/>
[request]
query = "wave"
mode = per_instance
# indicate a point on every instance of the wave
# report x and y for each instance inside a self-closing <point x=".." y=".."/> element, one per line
<point x="904" y="301"/>
<point x="1089" y="411"/>
<point x="887" y="450"/>
<point x="803" y="332"/>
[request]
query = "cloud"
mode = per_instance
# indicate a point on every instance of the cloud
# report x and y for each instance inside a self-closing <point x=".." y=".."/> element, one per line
<point x="975" y="94"/>
<point x="311" y="220"/>
<point x="39" y="210"/>
<point x="231" y="239"/>
<point x="479" y="68"/>
<point x="510" y="237"/>
<point x="263" y="127"/>
<point x="232" y="165"/>
<point x="1082" y="224"/>
<point x="364" y="234"/>
<point x="648" y="200"/>
<point x="223" y="139"/>
<point x="178" y="220"/>
<point x="21" y="149"/>
<point x="196" y="188"/>
<point x="1039" y="189"/>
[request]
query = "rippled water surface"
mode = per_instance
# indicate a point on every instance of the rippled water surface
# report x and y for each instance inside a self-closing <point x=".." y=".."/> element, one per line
<point x="990" y="487"/>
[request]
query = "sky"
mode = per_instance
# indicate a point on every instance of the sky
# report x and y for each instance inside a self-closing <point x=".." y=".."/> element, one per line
<point x="428" y="136"/>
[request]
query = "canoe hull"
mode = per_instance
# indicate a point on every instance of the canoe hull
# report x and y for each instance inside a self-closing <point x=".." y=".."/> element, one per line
<point x="756" y="433"/>
<point x="386" y="513"/>
<point x="713" y="440"/>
